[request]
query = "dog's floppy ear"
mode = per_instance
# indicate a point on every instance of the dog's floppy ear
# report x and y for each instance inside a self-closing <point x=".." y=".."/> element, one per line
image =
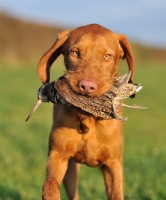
<point x="126" y="52"/>
<point x="43" y="68"/>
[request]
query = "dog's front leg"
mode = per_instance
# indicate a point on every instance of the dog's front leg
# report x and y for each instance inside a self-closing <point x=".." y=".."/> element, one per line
<point x="113" y="177"/>
<point x="56" y="169"/>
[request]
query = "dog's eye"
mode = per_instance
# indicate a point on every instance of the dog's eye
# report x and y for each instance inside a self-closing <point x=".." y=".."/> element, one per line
<point x="107" y="56"/>
<point x="76" y="53"/>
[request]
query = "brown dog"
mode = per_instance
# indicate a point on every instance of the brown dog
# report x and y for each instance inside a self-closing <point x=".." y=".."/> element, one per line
<point x="91" y="55"/>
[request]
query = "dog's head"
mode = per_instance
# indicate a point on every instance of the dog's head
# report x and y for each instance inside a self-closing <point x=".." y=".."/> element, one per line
<point x="91" y="55"/>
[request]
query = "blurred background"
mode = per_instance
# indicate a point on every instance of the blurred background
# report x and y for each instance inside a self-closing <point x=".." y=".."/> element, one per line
<point x="27" y="29"/>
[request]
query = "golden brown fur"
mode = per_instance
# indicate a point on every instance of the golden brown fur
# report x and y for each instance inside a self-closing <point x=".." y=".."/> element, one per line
<point x="91" y="55"/>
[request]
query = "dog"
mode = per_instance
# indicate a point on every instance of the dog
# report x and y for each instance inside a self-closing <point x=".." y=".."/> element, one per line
<point x="91" y="55"/>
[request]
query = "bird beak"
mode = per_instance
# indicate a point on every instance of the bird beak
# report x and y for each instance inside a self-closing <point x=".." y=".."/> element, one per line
<point x="33" y="110"/>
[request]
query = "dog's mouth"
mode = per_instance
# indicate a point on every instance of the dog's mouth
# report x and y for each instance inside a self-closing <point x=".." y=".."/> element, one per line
<point x="91" y="92"/>
<point x="64" y="88"/>
<point x="99" y="107"/>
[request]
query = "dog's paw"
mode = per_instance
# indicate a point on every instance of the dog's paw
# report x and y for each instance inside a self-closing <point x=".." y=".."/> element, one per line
<point x="50" y="190"/>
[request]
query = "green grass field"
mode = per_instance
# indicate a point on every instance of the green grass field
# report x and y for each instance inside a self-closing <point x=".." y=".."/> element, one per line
<point x="23" y="146"/>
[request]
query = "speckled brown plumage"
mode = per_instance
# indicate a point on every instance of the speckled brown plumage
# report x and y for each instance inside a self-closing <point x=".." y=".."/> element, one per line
<point x="105" y="106"/>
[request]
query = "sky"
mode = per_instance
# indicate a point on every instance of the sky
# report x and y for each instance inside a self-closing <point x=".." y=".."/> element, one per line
<point x="141" y="21"/>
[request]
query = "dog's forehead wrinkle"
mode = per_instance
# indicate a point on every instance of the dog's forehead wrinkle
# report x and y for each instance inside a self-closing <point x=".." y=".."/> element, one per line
<point x="94" y="41"/>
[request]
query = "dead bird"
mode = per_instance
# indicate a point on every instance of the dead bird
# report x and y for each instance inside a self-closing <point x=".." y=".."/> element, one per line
<point x="106" y="106"/>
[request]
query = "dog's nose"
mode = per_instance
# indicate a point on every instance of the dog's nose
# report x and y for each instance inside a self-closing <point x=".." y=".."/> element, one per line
<point x="87" y="86"/>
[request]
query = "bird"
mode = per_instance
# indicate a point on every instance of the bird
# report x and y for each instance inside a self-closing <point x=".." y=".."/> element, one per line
<point x="105" y="106"/>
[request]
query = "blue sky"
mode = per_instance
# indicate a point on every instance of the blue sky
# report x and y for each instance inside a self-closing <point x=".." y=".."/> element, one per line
<point x="142" y="21"/>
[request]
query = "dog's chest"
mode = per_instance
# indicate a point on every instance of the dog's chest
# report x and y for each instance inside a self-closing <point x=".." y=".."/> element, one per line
<point x="92" y="149"/>
<point x="87" y="153"/>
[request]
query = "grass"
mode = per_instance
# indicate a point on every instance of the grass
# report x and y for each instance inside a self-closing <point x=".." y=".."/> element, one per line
<point x="23" y="146"/>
